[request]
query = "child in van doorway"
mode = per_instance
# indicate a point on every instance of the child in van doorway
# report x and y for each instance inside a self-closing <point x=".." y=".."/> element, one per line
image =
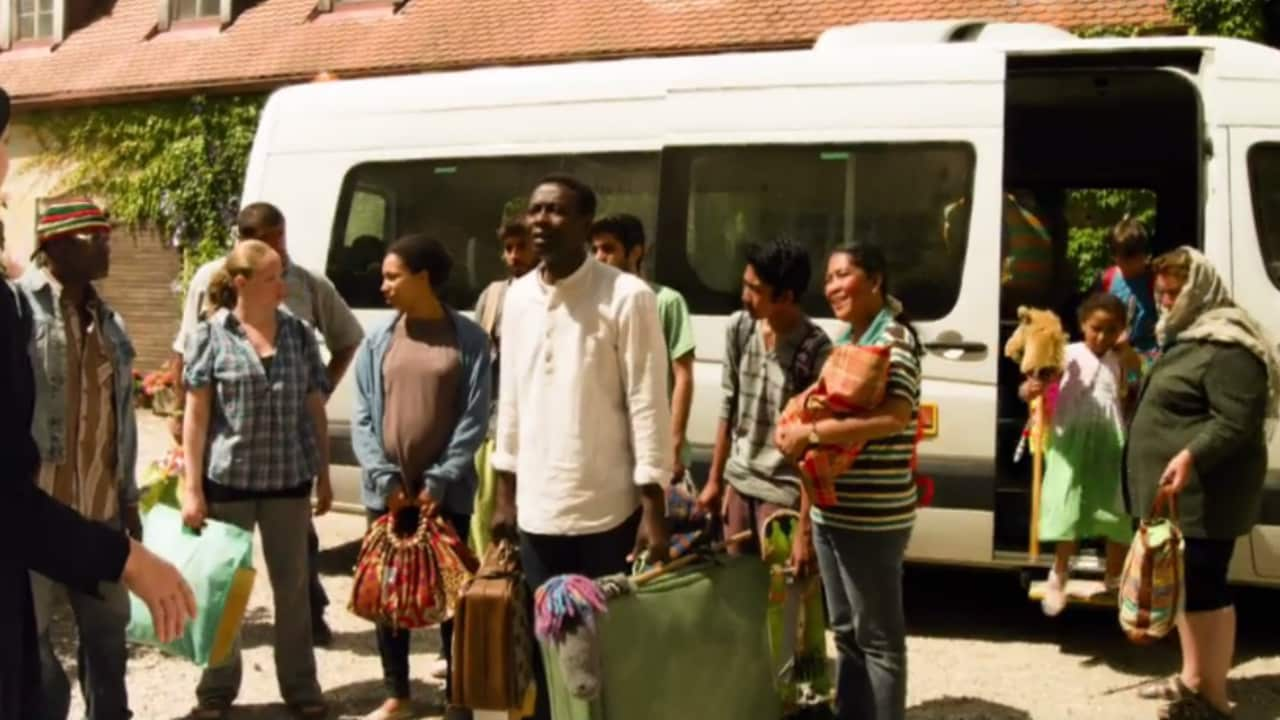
<point x="1082" y="490"/>
<point x="1129" y="280"/>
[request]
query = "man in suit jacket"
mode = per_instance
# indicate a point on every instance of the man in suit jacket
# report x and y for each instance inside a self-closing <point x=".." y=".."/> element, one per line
<point x="39" y="533"/>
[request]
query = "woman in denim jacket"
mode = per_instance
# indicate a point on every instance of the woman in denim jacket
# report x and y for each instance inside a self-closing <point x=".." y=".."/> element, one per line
<point x="422" y="407"/>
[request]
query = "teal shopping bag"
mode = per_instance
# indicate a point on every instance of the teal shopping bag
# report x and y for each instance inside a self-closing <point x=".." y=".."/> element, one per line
<point x="218" y="564"/>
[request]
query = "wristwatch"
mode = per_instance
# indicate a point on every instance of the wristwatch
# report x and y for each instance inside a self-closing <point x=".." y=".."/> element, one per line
<point x="813" y="435"/>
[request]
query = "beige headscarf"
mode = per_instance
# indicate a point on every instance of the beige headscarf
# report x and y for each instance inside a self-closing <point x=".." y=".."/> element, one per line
<point x="1205" y="311"/>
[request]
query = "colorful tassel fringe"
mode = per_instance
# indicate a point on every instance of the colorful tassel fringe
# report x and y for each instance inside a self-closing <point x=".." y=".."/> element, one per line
<point x="564" y="602"/>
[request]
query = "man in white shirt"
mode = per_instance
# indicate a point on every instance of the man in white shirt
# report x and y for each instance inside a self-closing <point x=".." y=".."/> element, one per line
<point x="584" y="428"/>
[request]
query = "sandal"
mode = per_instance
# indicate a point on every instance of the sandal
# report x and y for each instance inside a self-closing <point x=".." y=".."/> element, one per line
<point x="1055" y="595"/>
<point x="1192" y="707"/>
<point x="1170" y="689"/>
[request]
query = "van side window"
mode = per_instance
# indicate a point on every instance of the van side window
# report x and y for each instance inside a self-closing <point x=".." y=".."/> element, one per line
<point x="913" y="200"/>
<point x="1264" y="182"/>
<point x="462" y="203"/>
<point x="355" y="263"/>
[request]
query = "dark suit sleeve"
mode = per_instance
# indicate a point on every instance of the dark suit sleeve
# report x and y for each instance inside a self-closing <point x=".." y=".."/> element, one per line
<point x="36" y="531"/>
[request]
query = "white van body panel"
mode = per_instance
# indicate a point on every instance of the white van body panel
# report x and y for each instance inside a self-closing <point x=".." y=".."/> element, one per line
<point x="851" y="89"/>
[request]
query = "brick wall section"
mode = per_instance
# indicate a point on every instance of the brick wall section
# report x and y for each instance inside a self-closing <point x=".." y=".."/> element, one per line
<point x="140" y="288"/>
<point x="120" y="54"/>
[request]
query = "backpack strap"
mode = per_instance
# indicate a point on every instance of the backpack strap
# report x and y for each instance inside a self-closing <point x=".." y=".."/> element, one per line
<point x="493" y="297"/>
<point x="740" y="332"/>
<point x="803" y="371"/>
<point x="743" y="328"/>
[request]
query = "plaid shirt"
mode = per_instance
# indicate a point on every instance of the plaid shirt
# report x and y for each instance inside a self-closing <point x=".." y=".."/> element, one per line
<point x="261" y="437"/>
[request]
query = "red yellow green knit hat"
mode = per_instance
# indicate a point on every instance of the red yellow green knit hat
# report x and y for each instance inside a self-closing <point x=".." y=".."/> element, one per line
<point x="69" y="216"/>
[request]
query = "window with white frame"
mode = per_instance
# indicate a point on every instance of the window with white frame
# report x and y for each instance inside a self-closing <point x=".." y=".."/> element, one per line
<point x="196" y="9"/>
<point x="33" y="19"/>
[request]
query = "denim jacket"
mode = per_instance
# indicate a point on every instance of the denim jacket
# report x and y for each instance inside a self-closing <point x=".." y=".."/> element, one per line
<point x="48" y="351"/>
<point x="453" y="476"/>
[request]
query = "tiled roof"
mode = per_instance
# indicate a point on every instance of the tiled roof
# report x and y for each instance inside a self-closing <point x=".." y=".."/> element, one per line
<point x="120" y="54"/>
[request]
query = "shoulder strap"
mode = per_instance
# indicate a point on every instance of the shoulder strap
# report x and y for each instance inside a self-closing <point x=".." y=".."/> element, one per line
<point x="743" y="327"/>
<point x="801" y="372"/>
<point x="739" y="335"/>
<point x="492" y="304"/>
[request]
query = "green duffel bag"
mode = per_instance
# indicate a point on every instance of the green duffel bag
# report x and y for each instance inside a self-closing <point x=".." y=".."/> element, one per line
<point x="692" y="644"/>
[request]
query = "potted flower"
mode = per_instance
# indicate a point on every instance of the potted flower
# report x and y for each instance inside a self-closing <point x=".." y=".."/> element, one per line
<point x="157" y="391"/>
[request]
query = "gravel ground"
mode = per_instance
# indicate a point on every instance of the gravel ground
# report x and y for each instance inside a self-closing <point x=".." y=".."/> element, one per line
<point x="978" y="651"/>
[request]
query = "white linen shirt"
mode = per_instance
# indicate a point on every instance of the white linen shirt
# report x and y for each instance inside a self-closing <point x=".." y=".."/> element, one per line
<point x="583" y="418"/>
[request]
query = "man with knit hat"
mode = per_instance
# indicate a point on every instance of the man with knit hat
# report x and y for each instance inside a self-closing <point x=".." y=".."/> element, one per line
<point x="85" y="431"/>
<point x="39" y="533"/>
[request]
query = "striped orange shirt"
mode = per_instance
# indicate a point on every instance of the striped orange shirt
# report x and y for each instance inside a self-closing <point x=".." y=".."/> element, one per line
<point x="86" y="481"/>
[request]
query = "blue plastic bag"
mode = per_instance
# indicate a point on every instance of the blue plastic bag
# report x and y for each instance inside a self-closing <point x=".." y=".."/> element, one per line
<point x="218" y="564"/>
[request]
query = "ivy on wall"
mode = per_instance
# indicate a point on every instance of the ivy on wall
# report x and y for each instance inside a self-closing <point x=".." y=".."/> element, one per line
<point x="176" y="165"/>
<point x="1231" y="18"/>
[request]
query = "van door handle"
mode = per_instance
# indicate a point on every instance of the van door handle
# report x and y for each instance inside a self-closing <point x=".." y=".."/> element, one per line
<point x="968" y="348"/>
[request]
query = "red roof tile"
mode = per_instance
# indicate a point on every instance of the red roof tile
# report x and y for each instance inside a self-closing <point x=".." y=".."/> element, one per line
<point x="120" y="55"/>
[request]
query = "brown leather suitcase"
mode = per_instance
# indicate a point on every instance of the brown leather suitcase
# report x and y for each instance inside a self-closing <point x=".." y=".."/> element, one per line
<point x="493" y="638"/>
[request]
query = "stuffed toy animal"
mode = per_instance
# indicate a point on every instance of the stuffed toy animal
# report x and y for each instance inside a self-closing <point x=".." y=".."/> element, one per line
<point x="1039" y="345"/>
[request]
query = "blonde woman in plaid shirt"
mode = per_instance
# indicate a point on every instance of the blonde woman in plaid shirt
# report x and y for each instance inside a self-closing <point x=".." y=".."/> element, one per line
<point x="255" y="432"/>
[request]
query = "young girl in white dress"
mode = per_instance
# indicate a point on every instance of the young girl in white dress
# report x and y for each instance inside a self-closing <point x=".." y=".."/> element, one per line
<point x="1081" y="497"/>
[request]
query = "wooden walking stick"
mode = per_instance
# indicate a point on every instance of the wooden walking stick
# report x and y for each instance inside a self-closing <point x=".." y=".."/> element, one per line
<point x="1037" y="472"/>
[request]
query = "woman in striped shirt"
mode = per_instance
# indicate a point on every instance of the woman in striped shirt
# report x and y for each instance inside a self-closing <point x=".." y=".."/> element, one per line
<point x="861" y="540"/>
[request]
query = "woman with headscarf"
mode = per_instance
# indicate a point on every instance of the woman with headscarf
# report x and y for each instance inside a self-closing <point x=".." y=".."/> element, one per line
<point x="1199" y="433"/>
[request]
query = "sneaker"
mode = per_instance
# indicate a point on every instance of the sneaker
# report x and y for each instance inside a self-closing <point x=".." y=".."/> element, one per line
<point x="1055" y="595"/>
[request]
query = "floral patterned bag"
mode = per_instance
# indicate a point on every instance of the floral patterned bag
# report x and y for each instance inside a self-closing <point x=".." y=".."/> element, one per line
<point x="410" y="581"/>
<point x="1152" y="585"/>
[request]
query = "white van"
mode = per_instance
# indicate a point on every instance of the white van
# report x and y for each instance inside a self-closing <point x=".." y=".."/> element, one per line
<point x="871" y="135"/>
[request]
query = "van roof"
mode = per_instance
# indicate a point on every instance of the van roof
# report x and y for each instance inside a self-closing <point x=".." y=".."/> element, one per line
<point x="892" y="40"/>
<point x="934" y="52"/>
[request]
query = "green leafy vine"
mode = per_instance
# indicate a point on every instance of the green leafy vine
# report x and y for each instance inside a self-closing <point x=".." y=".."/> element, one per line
<point x="175" y="165"/>
<point x="1229" y="18"/>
